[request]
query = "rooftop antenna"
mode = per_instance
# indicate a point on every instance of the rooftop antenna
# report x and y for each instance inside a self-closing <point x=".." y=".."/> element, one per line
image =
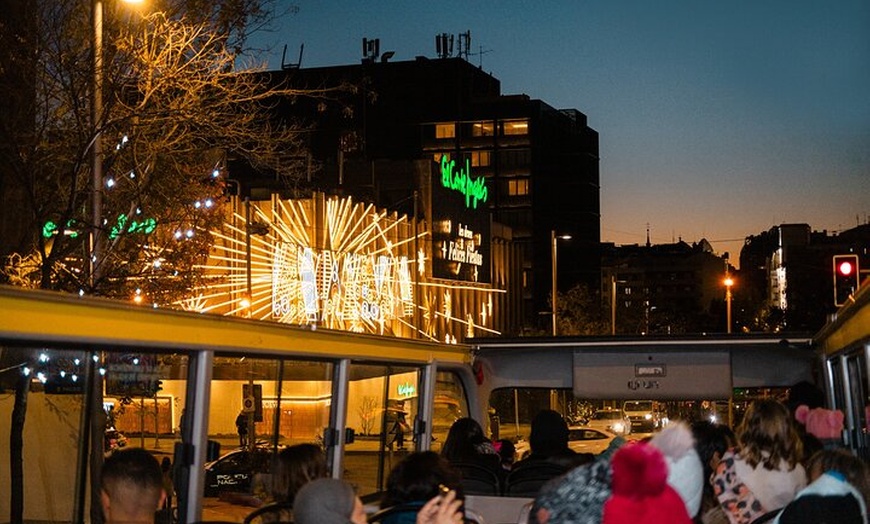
<point x="285" y="66"/>
<point x="480" y="52"/>
<point x="371" y="49"/>
<point x="464" y="44"/>
<point x="444" y="45"/>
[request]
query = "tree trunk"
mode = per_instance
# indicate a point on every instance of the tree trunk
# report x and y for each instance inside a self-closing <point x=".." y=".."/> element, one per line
<point x="16" y="450"/>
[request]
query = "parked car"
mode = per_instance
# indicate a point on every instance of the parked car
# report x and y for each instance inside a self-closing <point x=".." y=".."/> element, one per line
<point x="612" y="420"/>
<point x="584" y="439"/>
<point x="581" y="439"/>
<point x="236" y="470"/>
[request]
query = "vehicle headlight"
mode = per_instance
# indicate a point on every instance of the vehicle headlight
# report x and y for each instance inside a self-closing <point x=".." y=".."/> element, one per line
<point x="648" y="416"/>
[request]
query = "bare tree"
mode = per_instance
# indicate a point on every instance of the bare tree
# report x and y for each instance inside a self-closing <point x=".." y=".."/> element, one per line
<point x="175" y="105"/>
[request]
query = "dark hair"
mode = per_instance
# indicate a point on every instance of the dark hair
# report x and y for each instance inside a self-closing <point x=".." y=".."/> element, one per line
<point x="710" y="439"/>
<point x="767" y="435"/>
<point x="417" y="478"/>
<point x="549" y="435"/>
<point x="853" y="468"/>
<point x="294" y="467"/>
<point x="506" y="450"/>
<point x="462" y="440"/>
<point x="133" y="467"/>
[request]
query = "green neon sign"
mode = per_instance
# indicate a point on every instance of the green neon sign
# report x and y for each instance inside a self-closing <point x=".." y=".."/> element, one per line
<point x="462" y="181"/>
<point x="50" y="229"/>
<point x="146" y="226"/>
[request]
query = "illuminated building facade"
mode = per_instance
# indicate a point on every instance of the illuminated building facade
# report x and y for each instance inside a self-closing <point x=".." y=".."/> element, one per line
<point x="337" y="263"/>
<point x="540" y="163"/>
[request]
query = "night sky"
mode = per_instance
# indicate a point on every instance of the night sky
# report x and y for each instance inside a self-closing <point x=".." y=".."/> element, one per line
<point x="717" y="120"/>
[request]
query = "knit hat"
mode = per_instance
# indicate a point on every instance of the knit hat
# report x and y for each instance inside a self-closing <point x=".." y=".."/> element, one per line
<point x="685" y="471"/>
<point x="828" y="499"/>
<point x="578" y="496"/>
<point x="820" y="422"/>
<point x="641" y="494"/>
<point x="324" y="501"/>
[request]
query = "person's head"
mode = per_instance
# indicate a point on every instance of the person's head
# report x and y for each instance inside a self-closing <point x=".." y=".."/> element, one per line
<point x="853" y="469"/>
<point x="131" y="487"/>
<point x="464" y="435"/>
<point x="328" y="501"/>
<point x="549" y="435"/>
<point x="711" y="442"/>
<point x="417" y="478"/>
<point x="294" y="467"/>
<point x="640" y="490"/>
<point x="507" y="451"/>
<point x="767" y="435"/>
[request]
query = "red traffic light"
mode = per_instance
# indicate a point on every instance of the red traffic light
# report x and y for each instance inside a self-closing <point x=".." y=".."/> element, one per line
<point x="846" y="280"/>
<point x="845" y="268"/>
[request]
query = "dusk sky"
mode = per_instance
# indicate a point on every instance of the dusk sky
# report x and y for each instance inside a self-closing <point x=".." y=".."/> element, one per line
<point x="717" y="120"/>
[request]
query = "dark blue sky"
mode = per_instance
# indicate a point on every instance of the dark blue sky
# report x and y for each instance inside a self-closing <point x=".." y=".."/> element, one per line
<point x="717" y="119"/>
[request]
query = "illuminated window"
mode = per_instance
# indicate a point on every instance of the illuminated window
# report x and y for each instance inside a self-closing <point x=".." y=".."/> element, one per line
<point x="480" y="158"/>
<point x="482" y="129"/>
<point x="515" y="127"/>
<point x="518" y="187"/>
<point x="445" y="130"/>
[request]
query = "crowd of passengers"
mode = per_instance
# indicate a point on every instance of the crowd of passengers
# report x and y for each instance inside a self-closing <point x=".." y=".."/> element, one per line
<point x="784" y="464"/>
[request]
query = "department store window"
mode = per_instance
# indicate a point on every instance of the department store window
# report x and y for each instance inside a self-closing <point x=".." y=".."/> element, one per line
<point x="481" y="158"/>
<point x="482" y="129"/>
<point x="515" y="127"/>
<point x="518" y="187"/>
<point x="445" y="130"/>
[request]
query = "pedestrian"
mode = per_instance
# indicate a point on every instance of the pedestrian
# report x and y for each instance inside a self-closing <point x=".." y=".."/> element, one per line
<point x="131" y="487"/>
<point x="242" y="428"/>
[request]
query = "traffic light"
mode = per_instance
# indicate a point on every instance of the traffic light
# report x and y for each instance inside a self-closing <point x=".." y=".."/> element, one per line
<point x="846" y="273"/>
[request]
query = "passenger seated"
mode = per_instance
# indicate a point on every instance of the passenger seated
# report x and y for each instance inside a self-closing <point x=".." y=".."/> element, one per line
<point x="328" y="501"/>
<point x="474" y="456"/>
<point x="414" y="481"/>
<point x="550" y="456"/>
<point x="764" y="473"/>
<point x="131" y="487"/>
<point x="837" y="491"/>
<point x="466" y="443"/>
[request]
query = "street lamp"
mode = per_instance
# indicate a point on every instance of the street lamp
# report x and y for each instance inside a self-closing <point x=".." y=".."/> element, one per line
<point x="553" y="241"/>
<point x="95" y="243"/>
<point x="728" y="283"/>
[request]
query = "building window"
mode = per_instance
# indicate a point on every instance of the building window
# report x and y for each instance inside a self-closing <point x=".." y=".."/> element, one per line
<point x="518" y="187"/>
<point x="481" y="158"/>
<point x="515" y="127"/>
<point x="482" y="129"/>
<point x="445" y="130"/>
<point x="510" y="158"/>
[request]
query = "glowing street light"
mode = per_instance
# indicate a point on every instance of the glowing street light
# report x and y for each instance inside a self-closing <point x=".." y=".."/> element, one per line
<point x="553" y="241"/>
<point x="728" y="283"/>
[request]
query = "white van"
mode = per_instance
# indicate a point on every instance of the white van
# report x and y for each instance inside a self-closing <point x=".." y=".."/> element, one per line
<point x="642" y="414"/>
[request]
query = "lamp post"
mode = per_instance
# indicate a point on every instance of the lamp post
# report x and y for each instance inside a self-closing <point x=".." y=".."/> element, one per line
<point x="728" y="283"/>
<point x="97" y="146"/>
<point x="95" y="242"/>
<point x="554" y="239"/>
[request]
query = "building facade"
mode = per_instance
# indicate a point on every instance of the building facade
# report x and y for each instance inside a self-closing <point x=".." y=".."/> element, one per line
<point x="665" y="288"/>
<point x="375" y="142"/>
<point x="788" y="272"/>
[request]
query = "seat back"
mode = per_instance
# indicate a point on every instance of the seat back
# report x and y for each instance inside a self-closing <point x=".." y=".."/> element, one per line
<point x="407" y="507"/>
<point x="527" y="478"/>
<point x="477" y="479"/>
